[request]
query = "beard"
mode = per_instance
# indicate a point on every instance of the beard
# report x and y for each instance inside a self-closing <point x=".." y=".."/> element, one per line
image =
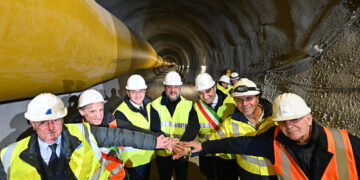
<point x="172" y="99"/>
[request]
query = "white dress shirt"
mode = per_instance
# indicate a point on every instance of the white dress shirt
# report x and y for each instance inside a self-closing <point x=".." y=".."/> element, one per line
<point x="135" y="105"/>
<point x="214" y="102"/>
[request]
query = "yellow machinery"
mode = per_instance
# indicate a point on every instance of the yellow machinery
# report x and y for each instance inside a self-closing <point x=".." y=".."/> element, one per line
<point x="63" y="46"/>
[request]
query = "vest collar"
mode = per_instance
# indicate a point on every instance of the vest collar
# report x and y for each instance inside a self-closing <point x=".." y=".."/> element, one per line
<point x="321" y="157"/>
<point x="32" y="157"/>
<point x="133" y="108"/>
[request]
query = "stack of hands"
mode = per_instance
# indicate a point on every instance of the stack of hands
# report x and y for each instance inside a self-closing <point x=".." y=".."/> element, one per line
<point x="178" y="148"/>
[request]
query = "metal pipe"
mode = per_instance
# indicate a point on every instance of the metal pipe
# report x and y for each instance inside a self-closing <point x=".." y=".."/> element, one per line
<point x="64" y="46"/>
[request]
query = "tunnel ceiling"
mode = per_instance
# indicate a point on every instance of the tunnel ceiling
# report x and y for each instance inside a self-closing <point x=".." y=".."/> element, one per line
<point x="308" y="47"/>
<point x="251" y="37"/>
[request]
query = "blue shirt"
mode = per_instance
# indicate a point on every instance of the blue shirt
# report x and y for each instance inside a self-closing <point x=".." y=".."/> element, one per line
<point x="45" y="150"/>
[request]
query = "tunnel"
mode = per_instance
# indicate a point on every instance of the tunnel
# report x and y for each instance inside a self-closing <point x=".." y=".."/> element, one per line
<point x="311" y="48"/>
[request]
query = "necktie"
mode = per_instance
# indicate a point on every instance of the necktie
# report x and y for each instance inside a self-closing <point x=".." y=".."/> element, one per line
<point x="53" y="158"/>
<point x="141" y="109"/>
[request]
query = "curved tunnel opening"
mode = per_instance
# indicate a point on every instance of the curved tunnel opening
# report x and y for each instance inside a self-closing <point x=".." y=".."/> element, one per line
<point x="178" y="49"/>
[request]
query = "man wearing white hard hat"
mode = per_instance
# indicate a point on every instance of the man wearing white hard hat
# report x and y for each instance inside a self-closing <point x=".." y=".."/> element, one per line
<point x="70" y="151"/>
<point x="224" y="84"/>
<point x="234" y="78"/>
<point x="178" y="119"/>
<point x="298" y="147"/>
<point x="252" y="116"/>
<point x="212" y="108"/>
<point x="136" y="109"/>
<point x="91" y="110"/>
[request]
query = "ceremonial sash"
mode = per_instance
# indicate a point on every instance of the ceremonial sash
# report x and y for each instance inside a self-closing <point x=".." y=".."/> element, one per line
<point x="209" y="114"/>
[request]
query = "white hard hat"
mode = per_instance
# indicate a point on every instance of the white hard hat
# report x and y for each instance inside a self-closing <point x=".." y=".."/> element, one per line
<point x="289" y="106"/>
<point x="45" y="106"/>
<point x="225" y="78"/>
<point x="234" y="76"/>
<point x="172" y="78"/>
<point x="204" y="81"/>
<point x="245" y="87"/>
<point x="135" y="82"/>
<point x="90" y="96"/>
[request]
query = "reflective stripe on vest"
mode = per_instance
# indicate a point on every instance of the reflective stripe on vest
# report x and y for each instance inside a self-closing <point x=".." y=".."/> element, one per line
<point x="84" y="161"/>
<point x="253" y="164"/>
<point x="112" y="170"/>
<point x="131" y="156"/>
<point x="173" y="126"/>
<point x="6" y="157"/>
<point x="341" y="166"/>
<point x="224" y="132"/>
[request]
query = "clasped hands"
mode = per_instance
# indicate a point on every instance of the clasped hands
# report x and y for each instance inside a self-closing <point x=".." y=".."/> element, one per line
<point x="178" y="148"/>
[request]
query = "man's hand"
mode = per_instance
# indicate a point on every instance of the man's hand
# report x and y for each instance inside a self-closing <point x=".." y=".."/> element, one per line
<point x="162" y="142"/>
<point x="180" y="150"/>
<point x="197" y="146"/>
<point x="172" y="143"/>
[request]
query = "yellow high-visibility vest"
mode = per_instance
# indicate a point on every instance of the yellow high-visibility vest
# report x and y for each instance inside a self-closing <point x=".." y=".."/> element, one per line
<point x="253" y="164"/>
<point x="222" y="89"/>
<point x="85" y="161"/>
<point x="173" y="126"/>
<point x="133" y="157"/>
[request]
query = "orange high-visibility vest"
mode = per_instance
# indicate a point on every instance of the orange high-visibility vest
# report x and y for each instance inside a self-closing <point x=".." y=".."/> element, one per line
<point x="341" y="166"/>
<point x="111" y="158"/>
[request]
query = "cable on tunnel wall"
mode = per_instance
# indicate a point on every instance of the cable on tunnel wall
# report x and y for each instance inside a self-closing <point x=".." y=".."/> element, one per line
<point x="312" y="55"/>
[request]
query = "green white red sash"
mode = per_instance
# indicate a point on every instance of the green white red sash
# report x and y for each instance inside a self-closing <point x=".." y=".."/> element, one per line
<point x="209" y="114"/>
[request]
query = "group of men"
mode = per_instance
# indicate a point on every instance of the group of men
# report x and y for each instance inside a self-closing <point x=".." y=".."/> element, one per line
<point x="239" y="134"/>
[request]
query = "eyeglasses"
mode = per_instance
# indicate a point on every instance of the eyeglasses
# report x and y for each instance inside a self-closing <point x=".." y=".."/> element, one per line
<point x="241" y="89"/>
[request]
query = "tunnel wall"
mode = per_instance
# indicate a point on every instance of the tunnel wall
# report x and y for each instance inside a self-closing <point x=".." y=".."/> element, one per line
<point x="302" y="46"/>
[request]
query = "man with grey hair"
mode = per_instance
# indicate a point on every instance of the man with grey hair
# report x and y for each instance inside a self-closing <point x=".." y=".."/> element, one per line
<point x="91" y="109"/>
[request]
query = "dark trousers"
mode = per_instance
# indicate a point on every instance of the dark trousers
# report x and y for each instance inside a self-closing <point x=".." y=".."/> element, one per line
<point x="226" y="169"/>
<point x="140" y="172"/>
<point x="207" y="166"/>
<point x="166" y="166"/>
